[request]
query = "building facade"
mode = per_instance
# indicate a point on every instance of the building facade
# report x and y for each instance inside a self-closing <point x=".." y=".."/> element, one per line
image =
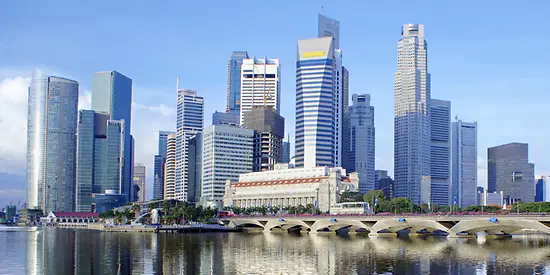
<point x="491" y="198"/>
<point x="195" y="168"/>
<point x="234" y="82"/>
<point x="540" y="189"/>
<point x="440" y="166"/>
<point x="190" y="120"/>
<point x="328" y="27"/>
<point x="509" y="170"/>
<point x="112" y="95"/>
<point x="51" y="142"/>
<point x="160" y="160"/>
<point x="286" y="151"/>
<point x="227" y="153"/>
<point x="320" y="187"/>
<point x="170" y="167"/>
<point x="100" y="157"/>
<point x="464" y="163"/>
<point x="362" y="145"/>
<point x="219" y="118"/>
<point x="315" y="103"/>
<point x="269" y="131"/>
<point x="412" y="136"/>
<point x="139" y="182"/>
<point x="260" y="85"/>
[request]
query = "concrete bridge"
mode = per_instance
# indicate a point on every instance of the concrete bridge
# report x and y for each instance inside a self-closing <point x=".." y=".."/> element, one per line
<point x="453" y="226"/>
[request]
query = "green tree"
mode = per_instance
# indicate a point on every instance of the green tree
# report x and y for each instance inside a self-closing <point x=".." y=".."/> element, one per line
<point x="349" y="196"/>
<point x="371" y="195"/>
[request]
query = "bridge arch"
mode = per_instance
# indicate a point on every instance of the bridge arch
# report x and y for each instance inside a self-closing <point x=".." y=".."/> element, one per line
<point x="286" y="224"/>
<point x="334" y="225"/>
<point x="493" y="225"/>
<point x="414" y="224"/>
<point x="245" y="223"/>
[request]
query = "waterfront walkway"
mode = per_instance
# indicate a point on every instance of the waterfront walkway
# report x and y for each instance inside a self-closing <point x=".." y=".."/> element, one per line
<point x="450" y="225"/>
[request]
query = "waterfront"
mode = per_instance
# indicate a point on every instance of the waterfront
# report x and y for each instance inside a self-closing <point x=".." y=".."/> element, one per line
<point x="80" y="251"/>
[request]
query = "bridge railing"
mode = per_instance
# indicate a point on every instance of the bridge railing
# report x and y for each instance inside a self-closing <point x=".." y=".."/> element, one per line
<point x="385" y="214"/>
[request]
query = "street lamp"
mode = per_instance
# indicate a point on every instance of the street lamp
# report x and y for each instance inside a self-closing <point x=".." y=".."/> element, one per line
<point x="317" y="201"/>
<point x="372" y="199"/>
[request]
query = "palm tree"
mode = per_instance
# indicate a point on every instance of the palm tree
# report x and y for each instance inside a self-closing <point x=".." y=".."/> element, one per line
<point x="136" y="208"/>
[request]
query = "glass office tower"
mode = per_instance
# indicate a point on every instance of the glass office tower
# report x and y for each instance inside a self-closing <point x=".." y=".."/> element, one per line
<point x="51" y="142"/>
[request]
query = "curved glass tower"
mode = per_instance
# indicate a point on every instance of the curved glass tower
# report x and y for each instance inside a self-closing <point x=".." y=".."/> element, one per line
<point x="51" y="142"/>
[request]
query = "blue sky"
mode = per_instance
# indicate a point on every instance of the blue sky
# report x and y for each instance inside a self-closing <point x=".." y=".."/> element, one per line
<point x="489" y="58"/>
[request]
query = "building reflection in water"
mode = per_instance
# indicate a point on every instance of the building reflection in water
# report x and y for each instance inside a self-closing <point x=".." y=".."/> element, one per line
<point x="64" y="251"/>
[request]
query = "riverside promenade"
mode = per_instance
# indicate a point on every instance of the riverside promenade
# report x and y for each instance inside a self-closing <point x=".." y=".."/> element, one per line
<point x="450" y="225"/>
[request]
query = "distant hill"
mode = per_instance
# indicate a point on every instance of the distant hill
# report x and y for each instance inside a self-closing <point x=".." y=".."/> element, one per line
<point x="12" y="189"/>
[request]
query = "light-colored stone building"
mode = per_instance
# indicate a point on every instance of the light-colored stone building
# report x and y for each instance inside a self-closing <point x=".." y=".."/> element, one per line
<point x="290" y="187"/>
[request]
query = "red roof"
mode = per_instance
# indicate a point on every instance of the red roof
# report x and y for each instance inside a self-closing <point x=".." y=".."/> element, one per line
<point x="76" y="214"/>
<point x="278" y="182"/>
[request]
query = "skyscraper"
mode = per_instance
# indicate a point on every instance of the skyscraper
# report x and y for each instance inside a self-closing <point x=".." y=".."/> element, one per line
<point x="540" y="187"/>
<point x="269" y="131"/>
<point x="139" y="182"/>
<point x="260" y="85"/>
<point x="51" y="142"/>
<point x="286" y="151"/>
<point x="440" y="166"/>
<point x="509" y="170"/>
<point x="227" y="153"/>
<point x="362" y="145"/>
<point x="464" y="163"/>
<point x="112" y="95"/>
<point x="328" y="27"/>
<point x="412" y="138"/>
<point x="170" y="168"/>
<point x="160" y="159"/>
<point x="190" y="119"/>
<point x="234" y="82"/>
<point x="315" y="103"/>
<point x="100" y="154"/>
<point x="195" y="168"/>
<point x="219" y="118"/>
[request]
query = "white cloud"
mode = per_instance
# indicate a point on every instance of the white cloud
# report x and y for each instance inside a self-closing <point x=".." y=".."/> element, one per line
<point x="13" y="123"/>
<point x="13" y="120"/>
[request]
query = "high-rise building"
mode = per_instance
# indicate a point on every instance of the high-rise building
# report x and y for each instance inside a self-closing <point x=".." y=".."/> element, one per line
<point x="384" y="183"/>
<point x="286" y="151"/>
<point x="412" y="136"/>
<point x="195" y="168"/>
<point x="269" y="131"/>
<point x="170" y="168"/>
<point x="190" y="120"/>
<point x="160" y="159"/>
<point x="100" y="154"/>
<point x="260" y="85"/>
<point x="227" y="153"/>
<point x="112" y="95"/>
<point x="540" y="187"/>
<point x="139" y="182"/>
<point x="315" y="103"/>
<point x="440" y="166"/>
<point x="464" y="164"/>
<point x="509" y="170"/>
<point x="328" y="27"/>
<point x="362" y="145"/>
<point x="51" y="142"/>
<point x="219" y="118"/>
<point x="234" y="82"/>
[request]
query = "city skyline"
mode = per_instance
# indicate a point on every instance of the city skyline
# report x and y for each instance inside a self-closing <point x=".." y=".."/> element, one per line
<point x="384" y="161"/>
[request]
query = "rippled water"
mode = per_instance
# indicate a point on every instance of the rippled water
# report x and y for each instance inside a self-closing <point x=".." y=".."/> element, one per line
<point x="66" y="251"/>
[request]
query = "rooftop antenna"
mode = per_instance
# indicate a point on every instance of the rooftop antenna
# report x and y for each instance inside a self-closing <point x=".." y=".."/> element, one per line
<point x="177" y="83"/>
<point x="322" y="10"/>
<point x="456" y="117"/>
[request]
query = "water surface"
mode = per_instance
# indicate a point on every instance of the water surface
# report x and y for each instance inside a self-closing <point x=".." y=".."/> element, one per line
<point x="78" y="251"/>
